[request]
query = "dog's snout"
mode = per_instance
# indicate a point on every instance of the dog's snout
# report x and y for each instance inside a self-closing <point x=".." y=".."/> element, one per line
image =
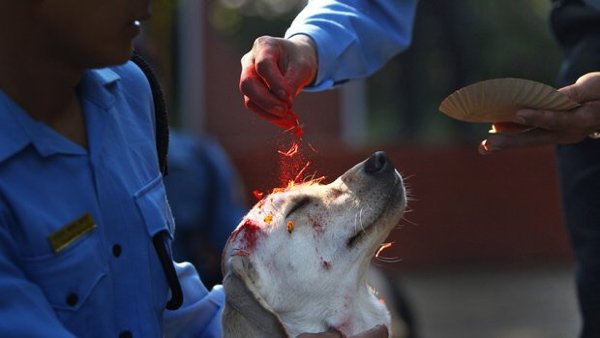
<point x="377" y="163"/>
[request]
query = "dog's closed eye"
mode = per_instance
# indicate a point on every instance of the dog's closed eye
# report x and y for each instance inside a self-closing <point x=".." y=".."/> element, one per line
<point x="298" y="204"/>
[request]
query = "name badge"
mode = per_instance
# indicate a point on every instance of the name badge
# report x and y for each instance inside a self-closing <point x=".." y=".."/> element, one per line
<point x="66" y="235"/>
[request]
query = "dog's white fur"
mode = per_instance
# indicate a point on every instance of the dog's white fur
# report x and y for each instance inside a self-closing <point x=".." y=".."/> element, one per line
<point x="298" y="260"/>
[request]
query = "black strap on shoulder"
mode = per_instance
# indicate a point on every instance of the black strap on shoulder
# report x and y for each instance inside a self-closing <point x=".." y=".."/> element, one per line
<point x="162" y="145"/>
<point x="160" y="112"/>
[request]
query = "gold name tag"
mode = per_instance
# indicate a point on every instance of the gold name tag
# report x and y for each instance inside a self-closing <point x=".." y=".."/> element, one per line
<point x="66" y="235"/>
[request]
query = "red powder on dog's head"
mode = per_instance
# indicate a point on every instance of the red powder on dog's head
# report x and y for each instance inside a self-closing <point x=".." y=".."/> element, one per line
<point x="249" y="233"/>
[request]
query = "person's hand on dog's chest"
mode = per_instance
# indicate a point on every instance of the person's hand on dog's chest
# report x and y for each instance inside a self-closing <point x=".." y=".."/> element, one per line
<point x="379" y="331"/>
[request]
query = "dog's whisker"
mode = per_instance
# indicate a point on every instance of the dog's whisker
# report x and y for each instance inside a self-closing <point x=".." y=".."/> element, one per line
<point x="362" y="227"/>
<point x="409" y="221"/>
<point x="389" y="259"/>
<point x="355" y="222"/>
<point x="408" y="177"/>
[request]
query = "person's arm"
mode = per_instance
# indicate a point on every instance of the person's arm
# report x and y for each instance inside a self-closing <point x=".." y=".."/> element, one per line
<point x="200" y="314"/>
<point x="541" y="127"/>
<point x="329" y="43"/>
<point x="353" y="39"/>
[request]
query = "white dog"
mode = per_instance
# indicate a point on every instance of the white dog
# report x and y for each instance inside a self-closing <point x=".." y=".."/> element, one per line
<point x="298" y="261"/>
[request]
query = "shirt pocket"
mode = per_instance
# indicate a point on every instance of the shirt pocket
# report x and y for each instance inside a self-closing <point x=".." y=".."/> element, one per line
<point x="153" y="206"/>
<point x="69" y="277"/>
<point x="152" y="203"/>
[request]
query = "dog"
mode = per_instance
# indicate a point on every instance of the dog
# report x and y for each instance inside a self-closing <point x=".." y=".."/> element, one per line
<point x="298" y="261"/>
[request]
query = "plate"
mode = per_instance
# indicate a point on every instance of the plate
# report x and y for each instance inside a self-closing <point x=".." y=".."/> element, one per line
<point x="497" y="100"/>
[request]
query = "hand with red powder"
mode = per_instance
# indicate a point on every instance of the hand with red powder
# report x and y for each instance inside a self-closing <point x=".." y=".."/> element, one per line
<point x="274" y="71"/>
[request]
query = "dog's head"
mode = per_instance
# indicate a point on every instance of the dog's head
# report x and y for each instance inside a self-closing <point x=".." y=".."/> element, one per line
<point x="303" y="252"/>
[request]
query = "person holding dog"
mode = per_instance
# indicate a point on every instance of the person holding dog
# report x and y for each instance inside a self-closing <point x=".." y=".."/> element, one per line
<point x="85" y="226"/>
<point x="331" y="42"/>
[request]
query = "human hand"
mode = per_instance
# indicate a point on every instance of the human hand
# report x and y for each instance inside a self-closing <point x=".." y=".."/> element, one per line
<point x="274" y="71"/>
<point x="379" y="331"/>
<point x="541" y="127"/>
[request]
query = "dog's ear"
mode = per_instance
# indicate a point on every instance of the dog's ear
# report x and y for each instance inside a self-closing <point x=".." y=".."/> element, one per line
<point x="242" y="295"/>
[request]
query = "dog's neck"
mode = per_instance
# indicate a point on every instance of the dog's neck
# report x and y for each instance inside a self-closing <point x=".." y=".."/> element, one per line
<point x="348" y="308"/>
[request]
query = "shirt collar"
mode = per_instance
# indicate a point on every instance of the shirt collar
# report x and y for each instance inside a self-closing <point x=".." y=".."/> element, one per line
<point x="18" y="129"/>
<point x="98" y="86"/>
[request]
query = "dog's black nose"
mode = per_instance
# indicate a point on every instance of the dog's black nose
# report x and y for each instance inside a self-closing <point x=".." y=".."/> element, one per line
<point x="378" y="162"/>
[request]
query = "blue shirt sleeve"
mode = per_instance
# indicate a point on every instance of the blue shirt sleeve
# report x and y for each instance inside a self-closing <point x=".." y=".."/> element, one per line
<point x="200" y="314"/>
<point x="354" y="38"/>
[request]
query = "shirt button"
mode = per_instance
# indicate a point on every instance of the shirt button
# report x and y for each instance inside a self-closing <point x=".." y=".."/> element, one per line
<point x="72" y="299"/>
<point x="125" y="334"/>
<point x="116" y="250"/>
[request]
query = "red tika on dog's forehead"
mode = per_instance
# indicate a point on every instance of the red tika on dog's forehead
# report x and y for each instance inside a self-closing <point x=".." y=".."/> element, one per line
<point x="246" y="236"/>
<point x="257" y="223"/>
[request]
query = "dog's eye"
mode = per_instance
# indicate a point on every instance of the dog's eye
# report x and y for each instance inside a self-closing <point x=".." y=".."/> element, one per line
<point x="298" y="204"/>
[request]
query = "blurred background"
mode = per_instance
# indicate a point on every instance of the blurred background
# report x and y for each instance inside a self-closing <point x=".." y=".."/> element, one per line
<point x="483" y="251"/>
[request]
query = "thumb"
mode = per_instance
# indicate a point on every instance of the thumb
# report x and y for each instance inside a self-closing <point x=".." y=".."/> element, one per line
<point x="586" y="88"/>
<point x="298" y="78"/>
<point x="301" y="66"/>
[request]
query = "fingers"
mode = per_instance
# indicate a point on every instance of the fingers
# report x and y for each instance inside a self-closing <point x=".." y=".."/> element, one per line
<point x="262" y="82"/>
<point x="550" y="120"/>
<point x="273" y="73"/>
<point x="288" y="122"/>
<point x="257" y="91"/>
<point x="508" y="128"/>
<point x="332" y="333"/>
<point x="529" y="138"/>
<point x="379" y="331"/>
<point x="499" y="142"/>
<point x="586" y="118"/>
<point x="269" y="54"/>
<point x="542" y="127"/>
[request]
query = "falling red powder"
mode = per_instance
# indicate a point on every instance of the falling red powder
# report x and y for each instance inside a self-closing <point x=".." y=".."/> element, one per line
<point x="290" y="163"/>
<point x="291" y="152"/>
<point x="258" y="194"/>
<point x="294" y="124"/>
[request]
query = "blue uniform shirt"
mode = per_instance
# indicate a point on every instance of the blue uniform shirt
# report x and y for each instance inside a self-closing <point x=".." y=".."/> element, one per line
<point x="108" y="281"/>
<point x="354" y="38"/>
